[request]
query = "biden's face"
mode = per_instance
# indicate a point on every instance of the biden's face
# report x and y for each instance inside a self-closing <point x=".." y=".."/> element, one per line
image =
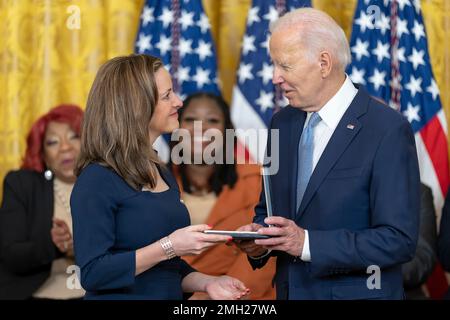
<point x="297" y="74"/>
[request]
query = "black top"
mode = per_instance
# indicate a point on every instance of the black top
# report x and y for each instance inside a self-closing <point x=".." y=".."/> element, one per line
<point x="26" y="247"/>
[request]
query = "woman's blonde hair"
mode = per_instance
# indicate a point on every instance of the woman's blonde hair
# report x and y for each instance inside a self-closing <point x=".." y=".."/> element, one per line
<point x="115" y="130"/>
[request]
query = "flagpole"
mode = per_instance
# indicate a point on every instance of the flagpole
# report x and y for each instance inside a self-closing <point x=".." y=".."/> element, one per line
<point x="395" y="68"/>
<point x="280" y="5"/>
<point x="176" y="33"/>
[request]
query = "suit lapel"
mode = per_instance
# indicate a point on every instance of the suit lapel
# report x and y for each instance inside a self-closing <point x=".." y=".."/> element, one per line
<point x="297" y="123"/>
<point x="347" y="129"/>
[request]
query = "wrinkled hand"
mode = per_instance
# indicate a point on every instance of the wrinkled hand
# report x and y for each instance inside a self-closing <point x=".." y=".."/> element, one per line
<point x="249" y="246"/>
<point x="226" y="288"/>
<point x="61" y="236"/>
<point x="192" y="241"/>
<point x="287" y="236"/>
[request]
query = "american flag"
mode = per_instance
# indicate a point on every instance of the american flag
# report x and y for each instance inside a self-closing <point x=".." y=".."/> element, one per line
<point x="255" y="98"/>
<point x="390" y="57"/>
<point x="178" y="31"/>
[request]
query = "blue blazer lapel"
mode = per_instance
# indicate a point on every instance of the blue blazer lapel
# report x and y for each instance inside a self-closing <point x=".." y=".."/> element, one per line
<point x="297" y="124"/>
<point x="338" y="143"/>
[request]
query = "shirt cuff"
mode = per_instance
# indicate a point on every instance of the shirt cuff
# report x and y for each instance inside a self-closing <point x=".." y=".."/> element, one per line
<point x="261" y="256"/>
<point x="306" y="254"/>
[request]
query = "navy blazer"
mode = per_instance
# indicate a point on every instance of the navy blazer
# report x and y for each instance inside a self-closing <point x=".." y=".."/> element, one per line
<point x="111" y="221"/>
<point x="361" y="206"/>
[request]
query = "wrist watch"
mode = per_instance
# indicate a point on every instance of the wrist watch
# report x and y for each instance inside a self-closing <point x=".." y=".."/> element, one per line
<point x="167" y="246"/>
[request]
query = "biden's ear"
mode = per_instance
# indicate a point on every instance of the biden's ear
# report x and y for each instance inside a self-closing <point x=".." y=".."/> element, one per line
<point x="326" y="64"/>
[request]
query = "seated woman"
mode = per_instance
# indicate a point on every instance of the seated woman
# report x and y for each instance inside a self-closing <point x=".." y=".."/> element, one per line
<point x="35" y="221"/>
<point x="221" y="195"/>
<point x="130" y="227"/>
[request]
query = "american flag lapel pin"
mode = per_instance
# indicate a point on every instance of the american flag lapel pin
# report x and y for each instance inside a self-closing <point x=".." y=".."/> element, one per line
<point x="350" y="126"/>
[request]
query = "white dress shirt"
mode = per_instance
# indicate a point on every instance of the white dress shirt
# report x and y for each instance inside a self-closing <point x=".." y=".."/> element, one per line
<point x="331" y="114"/>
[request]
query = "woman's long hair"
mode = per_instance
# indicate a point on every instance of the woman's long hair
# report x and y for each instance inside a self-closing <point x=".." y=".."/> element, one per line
<point x="115" y="131"/>
<point x="224" y="174"/>
<point x="34" y="154"/>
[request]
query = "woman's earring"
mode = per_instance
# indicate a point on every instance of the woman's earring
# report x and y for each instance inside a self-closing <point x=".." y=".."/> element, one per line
<point x="48" y="174"/>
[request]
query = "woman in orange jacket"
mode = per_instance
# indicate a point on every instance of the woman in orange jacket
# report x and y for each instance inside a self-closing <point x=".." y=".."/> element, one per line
<point x="221" y="195"/>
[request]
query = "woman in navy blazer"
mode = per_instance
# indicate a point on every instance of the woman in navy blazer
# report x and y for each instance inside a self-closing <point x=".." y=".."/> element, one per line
<point x="130" y="227"/>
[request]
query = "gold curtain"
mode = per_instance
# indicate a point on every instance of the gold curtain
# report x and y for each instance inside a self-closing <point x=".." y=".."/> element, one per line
<point x="50" y="51"/>
<point x="45" y="59"/>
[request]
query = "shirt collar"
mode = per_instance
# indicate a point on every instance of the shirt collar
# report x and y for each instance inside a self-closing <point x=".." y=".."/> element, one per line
<point x="331" y="113"/>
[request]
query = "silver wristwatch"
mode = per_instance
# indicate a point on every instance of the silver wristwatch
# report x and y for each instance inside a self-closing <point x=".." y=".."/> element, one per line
<point x="167" y="246"/>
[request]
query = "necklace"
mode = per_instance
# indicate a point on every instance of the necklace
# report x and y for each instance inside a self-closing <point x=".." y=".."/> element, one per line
<point x="62" y="196"/>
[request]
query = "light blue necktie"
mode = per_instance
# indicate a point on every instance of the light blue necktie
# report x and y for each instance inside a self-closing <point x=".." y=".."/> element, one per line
<point x="305" y="157"/>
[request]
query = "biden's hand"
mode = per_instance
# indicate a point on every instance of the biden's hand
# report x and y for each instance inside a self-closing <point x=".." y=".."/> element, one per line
<point x="286" y="235"/>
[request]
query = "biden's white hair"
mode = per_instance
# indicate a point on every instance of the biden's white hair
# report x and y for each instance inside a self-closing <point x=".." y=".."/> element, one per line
<point x="317" y="31"/>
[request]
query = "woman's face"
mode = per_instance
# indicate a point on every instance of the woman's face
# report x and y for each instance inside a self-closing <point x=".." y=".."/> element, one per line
<point x="61" y="149"/>
<point x="165" y="117"/>
<point x="208" y="113"/>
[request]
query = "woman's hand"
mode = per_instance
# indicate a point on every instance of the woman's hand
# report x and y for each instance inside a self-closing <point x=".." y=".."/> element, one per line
<point x="248" y="246"/>
<point x="61" y="236"/>
<point x="186" y="241"/>
<point x="192" y="241"/>
<point x="226" y="288"/>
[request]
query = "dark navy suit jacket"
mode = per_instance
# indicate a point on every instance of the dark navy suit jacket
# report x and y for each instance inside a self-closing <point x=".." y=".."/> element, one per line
<point x="361" y="206"/>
